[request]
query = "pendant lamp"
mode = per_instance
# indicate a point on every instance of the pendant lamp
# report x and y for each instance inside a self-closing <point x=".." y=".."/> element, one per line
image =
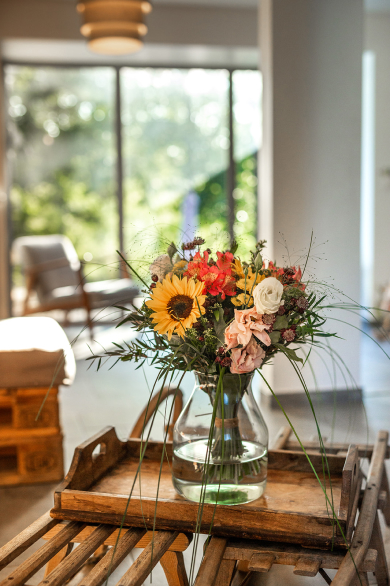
<point x="114" y="27"/>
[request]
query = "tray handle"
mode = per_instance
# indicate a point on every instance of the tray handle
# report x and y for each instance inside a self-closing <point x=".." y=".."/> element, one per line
<point x="93" y="458"/>
<point x="154" y="403"/>
<point x="350" y="481"/>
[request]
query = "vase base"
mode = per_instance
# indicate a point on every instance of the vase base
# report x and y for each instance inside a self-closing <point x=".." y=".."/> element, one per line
<point x="224" y="494"/>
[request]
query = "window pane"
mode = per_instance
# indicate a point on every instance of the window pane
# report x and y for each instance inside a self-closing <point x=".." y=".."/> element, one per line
<point x="62" y="158"/>
<point x="175" y="153"/>
<point x="247" y="87"/>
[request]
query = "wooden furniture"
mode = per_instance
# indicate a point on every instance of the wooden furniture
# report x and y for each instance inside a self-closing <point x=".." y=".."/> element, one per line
<point x="96" y="556"/>
<point x="35" y="359"/>
<point x="100" y="478"/>
<point x="54" y="273"/>
<point x="231" y="562"/>
<point x="103" y="547"/>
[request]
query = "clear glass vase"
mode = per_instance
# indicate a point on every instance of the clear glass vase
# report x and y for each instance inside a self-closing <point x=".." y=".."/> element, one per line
<point x="224" y="462"/>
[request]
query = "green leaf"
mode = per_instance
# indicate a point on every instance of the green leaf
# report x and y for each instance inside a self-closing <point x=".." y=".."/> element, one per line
<point x="220" y="325"/>
<point x="281" y="323"/>
<point x="292" y="355"/>
<point x="275" y="337"/>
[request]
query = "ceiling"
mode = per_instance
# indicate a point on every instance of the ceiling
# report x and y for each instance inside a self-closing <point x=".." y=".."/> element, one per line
<point x="370" y="5"/>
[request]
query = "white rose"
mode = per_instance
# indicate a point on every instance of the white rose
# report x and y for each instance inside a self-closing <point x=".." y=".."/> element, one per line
<point x="267" y="295"/>
<point x="161" y="266"/>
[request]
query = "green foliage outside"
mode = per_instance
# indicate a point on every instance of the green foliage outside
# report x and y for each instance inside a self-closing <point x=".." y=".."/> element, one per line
<point x="62" y="157"/>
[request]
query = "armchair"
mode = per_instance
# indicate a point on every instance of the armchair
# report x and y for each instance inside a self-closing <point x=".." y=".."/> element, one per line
<point x="52" y="269"/>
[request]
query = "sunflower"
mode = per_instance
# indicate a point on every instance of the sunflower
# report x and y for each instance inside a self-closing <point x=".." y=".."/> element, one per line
<point x="175" y="305"/>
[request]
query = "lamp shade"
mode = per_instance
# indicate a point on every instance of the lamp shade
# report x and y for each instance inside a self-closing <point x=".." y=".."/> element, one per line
<point x="114" y="27"/>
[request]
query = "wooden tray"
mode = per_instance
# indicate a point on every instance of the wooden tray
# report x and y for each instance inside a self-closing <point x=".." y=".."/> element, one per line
<point x="292" y="509"/>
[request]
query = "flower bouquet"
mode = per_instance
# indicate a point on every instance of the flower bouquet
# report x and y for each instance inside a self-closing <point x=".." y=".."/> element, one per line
<point x="223" y="318"/>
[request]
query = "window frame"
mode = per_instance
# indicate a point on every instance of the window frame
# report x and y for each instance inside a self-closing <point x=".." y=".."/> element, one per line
<point x="117" y="130"/>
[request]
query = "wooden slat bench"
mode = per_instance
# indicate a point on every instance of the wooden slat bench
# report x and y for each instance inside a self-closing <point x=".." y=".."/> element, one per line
<point x="231" y="562"/>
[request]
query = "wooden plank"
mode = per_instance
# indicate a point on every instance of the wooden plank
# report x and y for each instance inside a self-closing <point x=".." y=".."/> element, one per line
<point x="280" y="441"/>
<point x="144" y="564"/>
<point x="261" y="562"/>
<point x="57" y="559"/>
<point x="73" y="562"/>
<point x="240" y="521"/>
<point x="284" y="554"/>
<point x="21" y="542"/>
<point x="38" y="559"/>
<point x="99" y="574"/>
<point x="365" y="451"/>
<point x="381" y="569"/>
<point x="172" y="562"/>
<point x="354" y="508"/>
<point x="211" y="561"/>
<point x="365" y="524"/>
<point x="350" y="477"/>
<point x="297" y="461"/>
<point x="225" y="573"/>
<point x="385" y="487"/>
<point x="307" y="567"/>
<point x="180" y="544"/>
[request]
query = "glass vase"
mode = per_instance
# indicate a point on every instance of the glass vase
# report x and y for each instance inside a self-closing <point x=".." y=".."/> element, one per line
<point x="220" y="442"/>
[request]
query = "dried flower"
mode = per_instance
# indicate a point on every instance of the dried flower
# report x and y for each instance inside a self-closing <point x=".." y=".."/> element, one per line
<point x="269" y="318"/>
<point x="302" y="303"/>
<point x="288" y="334"/>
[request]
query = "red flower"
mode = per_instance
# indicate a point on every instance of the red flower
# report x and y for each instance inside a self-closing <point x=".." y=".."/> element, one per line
<point x="218" y="278"/>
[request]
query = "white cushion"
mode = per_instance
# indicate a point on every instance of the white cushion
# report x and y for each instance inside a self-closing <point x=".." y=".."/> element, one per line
<point x="34" y="352"/>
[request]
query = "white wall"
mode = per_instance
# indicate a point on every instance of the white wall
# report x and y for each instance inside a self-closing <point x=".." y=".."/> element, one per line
<point x="377" y="40"/>
<point x="310" y="162"/>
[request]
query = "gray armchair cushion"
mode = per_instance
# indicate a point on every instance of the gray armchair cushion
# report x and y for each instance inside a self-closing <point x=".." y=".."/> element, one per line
<point x="101" y="293"/>
<point x="32" y="251"/>
<point x="34" y="352"/>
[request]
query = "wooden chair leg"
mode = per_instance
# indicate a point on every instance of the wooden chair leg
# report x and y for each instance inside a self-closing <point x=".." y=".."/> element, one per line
<point x="381" y="569"/>
<point x="57" y="559"/>
<point x="225" y="574"/>
<point x="242" y="574"/>
<point x="385" y="487"/>
<point x="173" y="565"/>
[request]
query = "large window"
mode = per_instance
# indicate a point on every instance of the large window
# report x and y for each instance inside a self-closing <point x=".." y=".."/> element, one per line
<point x="103" y="154"/>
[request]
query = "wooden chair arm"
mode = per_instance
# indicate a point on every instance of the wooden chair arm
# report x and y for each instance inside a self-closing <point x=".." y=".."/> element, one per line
<point x="154" y="404"/>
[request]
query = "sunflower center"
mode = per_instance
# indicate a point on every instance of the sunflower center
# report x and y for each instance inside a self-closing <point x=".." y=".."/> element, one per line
<point x="180" y="307"/>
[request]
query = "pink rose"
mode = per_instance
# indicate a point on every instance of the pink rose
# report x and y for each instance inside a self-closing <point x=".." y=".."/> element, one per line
<point x="247" y="359"/>
<point x="246" y="322"/>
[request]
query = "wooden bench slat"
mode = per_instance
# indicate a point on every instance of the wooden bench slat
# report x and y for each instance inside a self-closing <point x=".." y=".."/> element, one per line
<point x="210" y="564"/>
<point x="73" y="562"/>
<point x="365" y="524"/>
<point x="126" y="543"/>
<point x="43" y="555"/>
<point x="27" y="537"/>
<point x="180" y="544"/>
<point x="144" y="564"/>
<point x="307" y="567"/>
